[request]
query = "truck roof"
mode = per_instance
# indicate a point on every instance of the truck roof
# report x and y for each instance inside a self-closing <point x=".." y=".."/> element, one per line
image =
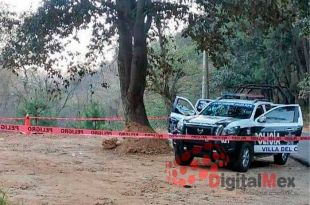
<point x="244" y="101"/>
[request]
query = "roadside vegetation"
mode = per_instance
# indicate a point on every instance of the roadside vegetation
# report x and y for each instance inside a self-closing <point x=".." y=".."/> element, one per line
<point x="3" y="198"/>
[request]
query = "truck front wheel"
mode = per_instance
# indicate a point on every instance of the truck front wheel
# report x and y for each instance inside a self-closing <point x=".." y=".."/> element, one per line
<point x="182" y="157"/>
<point x="243" y="158"/>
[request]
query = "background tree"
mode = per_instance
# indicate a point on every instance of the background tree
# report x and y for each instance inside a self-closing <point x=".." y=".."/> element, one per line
<point x="304" y="87"/>
<point x="8" y="24"/>
<point x="269" y="43"/>
<point x="165" y="67"/>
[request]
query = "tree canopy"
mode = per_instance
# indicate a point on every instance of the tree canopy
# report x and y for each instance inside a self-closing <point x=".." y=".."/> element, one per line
<point x="265" y="42"/>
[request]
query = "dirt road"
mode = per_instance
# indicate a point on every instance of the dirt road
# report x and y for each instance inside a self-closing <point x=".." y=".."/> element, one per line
<point x="75" y="170"/>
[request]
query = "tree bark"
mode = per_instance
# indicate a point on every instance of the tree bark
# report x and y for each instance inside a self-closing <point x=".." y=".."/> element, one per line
<point x="132" y="62"/>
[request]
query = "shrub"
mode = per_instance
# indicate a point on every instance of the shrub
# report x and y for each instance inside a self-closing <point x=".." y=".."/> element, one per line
<point x="93" y="110"/>
<point x="36" y="108"/>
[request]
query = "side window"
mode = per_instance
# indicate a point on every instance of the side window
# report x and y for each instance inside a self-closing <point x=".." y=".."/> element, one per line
<point x="183" y="107"/>
<point x="283" y="115"/>
<point x="259" y="111"/>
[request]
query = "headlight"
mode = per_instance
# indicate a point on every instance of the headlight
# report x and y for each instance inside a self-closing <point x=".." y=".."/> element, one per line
<point x="231" y="130"/>
<point x="180" y="125"/>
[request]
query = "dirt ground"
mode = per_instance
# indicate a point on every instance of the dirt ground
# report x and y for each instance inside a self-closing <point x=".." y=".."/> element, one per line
<point x="76" y="170"/>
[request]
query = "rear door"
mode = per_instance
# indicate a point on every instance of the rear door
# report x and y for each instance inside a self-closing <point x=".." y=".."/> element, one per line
<point x="181" y="108"/>
<point x="284" y="120"/>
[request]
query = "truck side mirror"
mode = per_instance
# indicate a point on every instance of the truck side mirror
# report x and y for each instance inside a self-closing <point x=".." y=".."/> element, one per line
<point x="262" y="119"/>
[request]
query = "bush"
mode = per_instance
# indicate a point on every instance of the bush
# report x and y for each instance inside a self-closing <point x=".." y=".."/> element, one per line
<point x="93" y="110"/>
<point x="36" y="108"/>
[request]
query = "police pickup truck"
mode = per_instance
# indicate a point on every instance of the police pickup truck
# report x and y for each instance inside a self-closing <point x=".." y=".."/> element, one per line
<point x="242" y="117"/>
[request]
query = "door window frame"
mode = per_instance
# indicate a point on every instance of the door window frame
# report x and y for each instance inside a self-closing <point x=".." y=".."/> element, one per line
<point x="264" y="111"/>
<point x="177" y="99"/>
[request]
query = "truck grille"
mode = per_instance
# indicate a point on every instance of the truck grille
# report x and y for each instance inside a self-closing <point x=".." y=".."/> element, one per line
<point x="200" y="130"/>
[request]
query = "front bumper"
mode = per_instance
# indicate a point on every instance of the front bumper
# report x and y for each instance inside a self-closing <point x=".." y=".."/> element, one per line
<point x="206" y="147"/>
<point x="203" y="145"/>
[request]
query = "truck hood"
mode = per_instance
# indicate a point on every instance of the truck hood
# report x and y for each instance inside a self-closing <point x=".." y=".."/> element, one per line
<point x="210" y="120"/>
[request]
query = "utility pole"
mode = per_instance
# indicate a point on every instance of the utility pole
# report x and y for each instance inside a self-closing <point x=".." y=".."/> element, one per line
<point x="205" y="77"/>
<point x="91" y="93"/>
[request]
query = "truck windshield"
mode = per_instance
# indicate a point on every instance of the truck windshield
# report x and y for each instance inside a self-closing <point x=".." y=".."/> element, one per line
<point x="229" y="109"/>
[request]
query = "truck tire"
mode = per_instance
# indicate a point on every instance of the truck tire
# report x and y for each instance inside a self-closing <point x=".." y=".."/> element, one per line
<point x="182" y="157"/>
<point x="281" y="158"/>
<point x="243" y="158"/>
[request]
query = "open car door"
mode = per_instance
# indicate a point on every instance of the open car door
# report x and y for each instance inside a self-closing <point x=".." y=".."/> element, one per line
<point x="181" y="108"/>
<point x="283" y="120"/>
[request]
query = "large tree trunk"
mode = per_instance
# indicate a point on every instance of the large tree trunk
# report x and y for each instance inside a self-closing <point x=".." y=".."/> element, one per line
<point x="132" y="62"/>
<point x="133" y="25"/>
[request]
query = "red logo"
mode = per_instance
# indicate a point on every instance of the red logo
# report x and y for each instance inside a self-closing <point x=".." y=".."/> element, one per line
<point x="182" y="175"/>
